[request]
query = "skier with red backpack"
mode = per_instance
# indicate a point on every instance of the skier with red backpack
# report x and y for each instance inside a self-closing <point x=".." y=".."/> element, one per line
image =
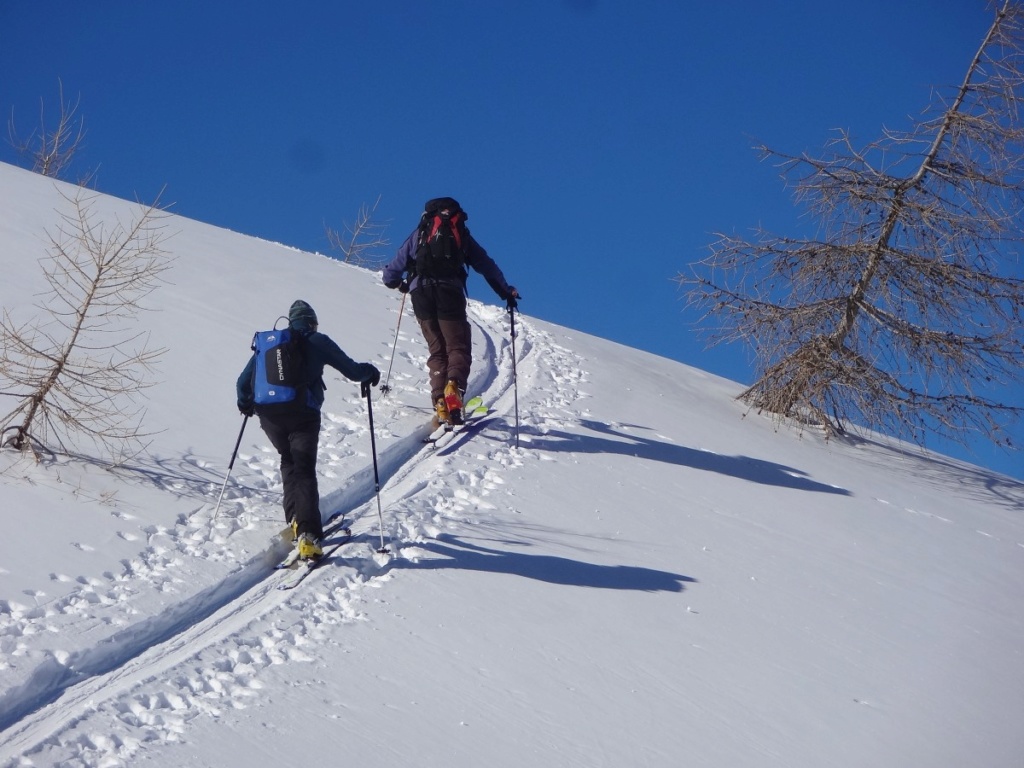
<point x="431" y="266"/>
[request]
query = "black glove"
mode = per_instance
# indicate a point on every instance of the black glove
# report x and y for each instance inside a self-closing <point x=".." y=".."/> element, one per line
<point x="511" y="300"/>
<point x="403" y="287"/>
<point x="371" y="375"/>
<point x="246" y="409"/>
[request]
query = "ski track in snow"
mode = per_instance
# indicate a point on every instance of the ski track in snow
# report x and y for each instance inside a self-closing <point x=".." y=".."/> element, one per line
<point x="204" y="655"/>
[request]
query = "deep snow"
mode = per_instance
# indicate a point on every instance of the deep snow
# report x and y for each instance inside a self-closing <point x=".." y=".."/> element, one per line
<point x="655" y="577"/>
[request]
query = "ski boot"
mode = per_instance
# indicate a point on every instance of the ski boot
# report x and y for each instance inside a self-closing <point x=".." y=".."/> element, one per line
<point x="453" y="401"/>
<point x="309" y="547"/>
<point x="441" y="415"/>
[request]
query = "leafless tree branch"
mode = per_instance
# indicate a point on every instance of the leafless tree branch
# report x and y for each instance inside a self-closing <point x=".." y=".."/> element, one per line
<point x="906" y="310"/>
<point x="362" y="241"/>
<point x="51" y="149"/>
<point x="78" y="370"/>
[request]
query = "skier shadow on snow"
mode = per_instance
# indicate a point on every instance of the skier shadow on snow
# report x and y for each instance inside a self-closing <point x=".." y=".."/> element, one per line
<point x="741" y="467"/>
<point x="548" y="568"/>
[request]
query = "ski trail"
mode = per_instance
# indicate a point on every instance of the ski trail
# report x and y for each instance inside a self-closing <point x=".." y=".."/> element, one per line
<point x="62" y="692"/>
<point x="132" y="656"/>
<point x="457" y="487"/>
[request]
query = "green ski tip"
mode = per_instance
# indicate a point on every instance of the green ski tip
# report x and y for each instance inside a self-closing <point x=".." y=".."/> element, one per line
<point x="474" y="407"/>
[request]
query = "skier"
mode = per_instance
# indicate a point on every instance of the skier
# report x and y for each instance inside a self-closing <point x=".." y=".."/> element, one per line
<point x="431" y="266"/>
<point x="295" y="431"/>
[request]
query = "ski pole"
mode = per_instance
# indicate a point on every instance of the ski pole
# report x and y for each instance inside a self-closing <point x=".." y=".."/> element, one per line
<point x="515" y="377"/>
<point x="385" y="387"/>
<point x="231" y="465"/>
<point x="367" y="391"/>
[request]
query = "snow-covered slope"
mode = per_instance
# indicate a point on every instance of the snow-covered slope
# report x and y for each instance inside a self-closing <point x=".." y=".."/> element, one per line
<point x="653" y="577"/>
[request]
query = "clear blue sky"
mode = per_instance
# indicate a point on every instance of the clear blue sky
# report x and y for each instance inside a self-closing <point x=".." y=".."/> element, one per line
<point x="626" y="127"/>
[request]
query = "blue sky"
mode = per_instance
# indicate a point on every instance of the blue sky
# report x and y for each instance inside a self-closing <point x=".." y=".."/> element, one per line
<point x="597" y="146"/>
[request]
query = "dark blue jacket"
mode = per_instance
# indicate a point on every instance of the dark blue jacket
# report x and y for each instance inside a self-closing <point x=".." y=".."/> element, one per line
<point x="476" y="257"/>
<point x="320" y="351"/>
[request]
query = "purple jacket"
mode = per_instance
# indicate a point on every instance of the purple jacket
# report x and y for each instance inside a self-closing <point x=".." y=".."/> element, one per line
<point x="476" y="257"/>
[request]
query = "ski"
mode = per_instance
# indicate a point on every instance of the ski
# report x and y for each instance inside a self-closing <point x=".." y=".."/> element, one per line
<point x="306" y="567"/>
<point x="332" y="524"/>
<point x="448" y="442"/>
<point x="474" y="407"/>
<point x="474" y="410"/>
<point x="449" y="436"/>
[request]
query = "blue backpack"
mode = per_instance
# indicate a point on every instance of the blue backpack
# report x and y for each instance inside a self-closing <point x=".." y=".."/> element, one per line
<point x="279" y="382"/>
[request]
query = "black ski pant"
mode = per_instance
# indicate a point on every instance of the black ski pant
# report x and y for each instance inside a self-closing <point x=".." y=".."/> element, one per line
<point x="440" y="309"/>
<point x="295" y="436"/>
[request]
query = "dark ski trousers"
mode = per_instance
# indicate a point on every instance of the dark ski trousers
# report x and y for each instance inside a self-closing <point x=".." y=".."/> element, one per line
<point x="295" y="436"/>
<point x="440" y="309"/>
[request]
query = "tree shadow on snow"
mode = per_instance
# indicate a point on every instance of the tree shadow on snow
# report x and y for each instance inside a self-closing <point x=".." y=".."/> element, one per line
<point x="187" y="476"/>
<point x="548" y="568"/>
<point x="741" y="467"/>
<point x="956" y="476"/>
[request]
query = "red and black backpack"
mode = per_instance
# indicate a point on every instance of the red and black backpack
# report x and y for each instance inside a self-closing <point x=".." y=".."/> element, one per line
<point x="442" y="234"/>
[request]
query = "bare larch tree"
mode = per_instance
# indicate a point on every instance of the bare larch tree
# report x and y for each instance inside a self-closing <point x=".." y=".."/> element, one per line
<point x="51" y="148"/>
<point x="77" y="371"/>
<point x="904" y="313"/>
<point x="361" y="241"/>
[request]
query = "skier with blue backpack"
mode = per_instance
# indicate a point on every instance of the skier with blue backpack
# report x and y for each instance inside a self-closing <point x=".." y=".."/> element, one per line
<point x="431" y="267"/>
<point x="283" y="385"/>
